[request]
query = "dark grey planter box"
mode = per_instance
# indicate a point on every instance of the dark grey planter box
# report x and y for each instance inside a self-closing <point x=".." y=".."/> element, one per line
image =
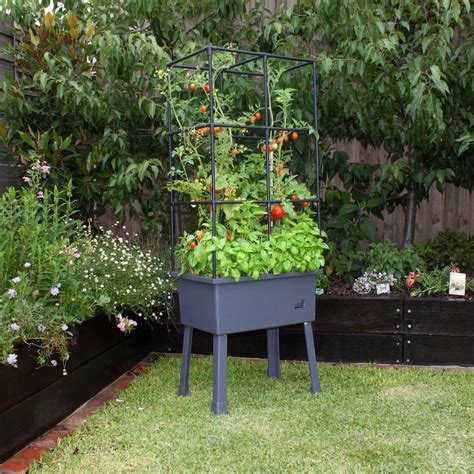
<point x="222" y="306"/>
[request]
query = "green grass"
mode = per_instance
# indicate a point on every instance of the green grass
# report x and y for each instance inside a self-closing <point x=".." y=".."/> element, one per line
<point x="366" y="419"/>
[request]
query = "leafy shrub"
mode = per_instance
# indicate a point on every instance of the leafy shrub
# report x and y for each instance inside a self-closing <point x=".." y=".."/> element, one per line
<point x="41" y="260"/>
<point x="436" y="282"/>
<point x="448" y="248"/>
<point x="54" y="274"/>
<point x="388" y="258"/>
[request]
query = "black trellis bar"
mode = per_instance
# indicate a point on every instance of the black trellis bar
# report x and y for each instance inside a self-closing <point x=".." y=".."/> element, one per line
<point x="241" y="63"/>
<point x="186" y="56"/>
<point x="293" y="68"/>
<point x="236" y="125"/>
<point x="267" y="128"/>
<point x="267" y="136"/>
<point x="213" y="159"/>
<point x="237" y="201"/>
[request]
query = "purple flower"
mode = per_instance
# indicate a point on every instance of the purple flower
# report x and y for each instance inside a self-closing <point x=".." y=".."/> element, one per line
<point x="15" y="327"/>
<point x="26" y="179"/>
<point x="16" y="280"/>
<point x="54" y="291"/>
<point x="11" y="293"/>
<point x="41" y="328"/>
<point x="40" y="195"/>
<point x="44" y="169"/>
<point x="27" y="264"/>
<point x="64" y="327"/>
<point x="12" y="359"/>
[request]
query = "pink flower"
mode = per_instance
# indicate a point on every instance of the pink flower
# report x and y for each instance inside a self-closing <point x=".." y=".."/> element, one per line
<point x="26" y="179"/>
<point x="121" y="325"/>
<point x="45" y="169"/>
<point x="40" y="195"/>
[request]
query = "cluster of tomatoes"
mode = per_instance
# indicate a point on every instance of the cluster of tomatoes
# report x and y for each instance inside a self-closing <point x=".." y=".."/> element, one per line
<point x="207" y="131"/>
<point x="284" y="137"/>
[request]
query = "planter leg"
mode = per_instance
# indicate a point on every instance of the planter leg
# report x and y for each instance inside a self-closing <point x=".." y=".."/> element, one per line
<point x="273" y="350"/>
<point x="313" y="368"/>
<point x="219" y="377"/>
<point x="185" y="361"/>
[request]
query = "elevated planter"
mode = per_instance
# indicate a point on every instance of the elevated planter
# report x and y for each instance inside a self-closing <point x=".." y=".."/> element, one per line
<point x="223" y="306"/>
<point x="393" y="330"/>
<point x="33" y="399"/>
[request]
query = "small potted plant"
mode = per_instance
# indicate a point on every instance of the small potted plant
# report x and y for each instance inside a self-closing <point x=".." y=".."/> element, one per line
<point x="250" y="260"/>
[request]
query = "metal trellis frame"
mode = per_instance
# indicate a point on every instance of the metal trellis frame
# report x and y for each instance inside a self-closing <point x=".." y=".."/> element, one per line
<point x="244" y="58"/>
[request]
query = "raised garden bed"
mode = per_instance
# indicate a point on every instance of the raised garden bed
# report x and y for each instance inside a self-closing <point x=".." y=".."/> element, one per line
<point x="394" y="330"/>
<point x="34" y="399"/>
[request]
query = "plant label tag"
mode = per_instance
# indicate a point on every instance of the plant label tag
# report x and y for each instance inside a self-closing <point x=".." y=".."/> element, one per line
<point x="383" y="288"/>
<point x="457" y="284"/>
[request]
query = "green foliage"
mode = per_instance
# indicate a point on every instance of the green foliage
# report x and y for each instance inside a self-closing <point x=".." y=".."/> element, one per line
<point x="40" y="267"/>
<point x="54" y="274"/>
<point x="294" y="246"/>
<point x="240" y="245"/>
<point x="449" y="248"/>
<point x="397" y="74"/>
<point x="387" y="257"/>
<point x="436" y="282"/>
<point x="347" y="210"/>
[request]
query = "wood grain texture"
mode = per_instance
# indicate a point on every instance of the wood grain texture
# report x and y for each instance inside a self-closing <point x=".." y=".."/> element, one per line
<point x="453" y="209"/>
<point x="435" y="316"/>
<point x="438" y="350"/>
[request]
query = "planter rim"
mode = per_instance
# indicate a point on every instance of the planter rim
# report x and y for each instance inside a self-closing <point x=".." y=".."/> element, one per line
<point x="219" y="281"/>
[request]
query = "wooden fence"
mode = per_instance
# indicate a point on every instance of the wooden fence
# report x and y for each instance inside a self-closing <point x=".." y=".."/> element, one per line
<point x="453" y="209"/>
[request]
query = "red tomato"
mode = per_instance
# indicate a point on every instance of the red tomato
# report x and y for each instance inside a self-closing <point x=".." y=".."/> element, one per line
<point x="258" y="115"/>
<point x="253" y="119"/>
<point x="203" y="109"/>
<point x="306" y="204"/>
<point x="192" y="245"/>
<point x="294" y="198"/>
<point x="192" y="87"/>
<point x="278" y="140"/>
<point x="280" y="172"/>
<point x="229" y="236"/>
<point x="277" y="212"/>
<point x="270" y="147"/>
<point x="206" y="88"/>
<point x="281" y="166"/>
<point x="280" y="132"/>
<point x="217" y="129"/>
<point x="285" y="138"/>
<point x="294" y="135"/>
<point x="234" y="151"/>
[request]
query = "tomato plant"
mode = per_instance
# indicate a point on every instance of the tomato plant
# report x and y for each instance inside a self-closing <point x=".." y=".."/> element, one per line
<point x="243" y="243"/>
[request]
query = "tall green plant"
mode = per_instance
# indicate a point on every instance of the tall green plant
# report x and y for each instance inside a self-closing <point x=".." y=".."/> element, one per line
<point x="397" y="74"/>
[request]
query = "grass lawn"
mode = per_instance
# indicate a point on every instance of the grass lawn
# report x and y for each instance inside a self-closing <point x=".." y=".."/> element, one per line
<point x="366" y="419"/>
